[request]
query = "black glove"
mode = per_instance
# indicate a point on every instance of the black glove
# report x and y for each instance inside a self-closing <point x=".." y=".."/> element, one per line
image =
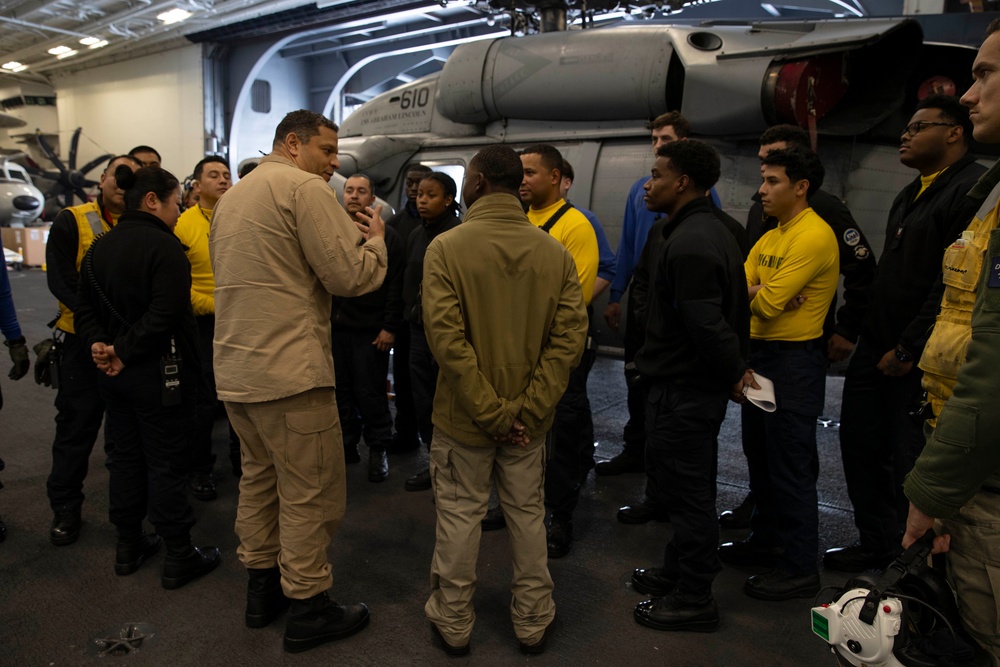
<point x="19" y="355"/>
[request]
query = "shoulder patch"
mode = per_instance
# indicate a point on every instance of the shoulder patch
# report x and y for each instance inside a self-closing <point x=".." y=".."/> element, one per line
<point x="852" y="237"/>
<point x="861" y="252"/>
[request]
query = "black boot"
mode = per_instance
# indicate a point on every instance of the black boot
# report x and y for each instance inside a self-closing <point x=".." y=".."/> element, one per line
<point x="317" y="620"/>
<point x="185" y="563"/>
<point x="65" y="527"/>
<point x="265" y="599"/>
<point x="203" y="486"/>
<point x="133" y="549"/>
<point x="378" y="464"/>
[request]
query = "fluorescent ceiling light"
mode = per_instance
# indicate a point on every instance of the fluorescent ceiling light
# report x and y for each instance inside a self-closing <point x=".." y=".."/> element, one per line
<point x="173" y="16"/>
<point x="13" y="64"/>
<point x="88" y="41"/>
<point x="57" y="50"/>
<point x="20" y="69"/>
<point x="97" y="45"/>
<point x="67" y="54"/>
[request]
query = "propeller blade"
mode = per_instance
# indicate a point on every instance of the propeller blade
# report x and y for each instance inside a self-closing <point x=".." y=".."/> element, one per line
<point x="79" y="192"/>
<point x="72" y="147"/>
<point x="95" y="162"/>
<point x="48" y="152"/>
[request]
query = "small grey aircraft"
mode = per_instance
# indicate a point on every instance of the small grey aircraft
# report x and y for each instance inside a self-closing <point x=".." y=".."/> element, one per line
<point x="20" y="201"/>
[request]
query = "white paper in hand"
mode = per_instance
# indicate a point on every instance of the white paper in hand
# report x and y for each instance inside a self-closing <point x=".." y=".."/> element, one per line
<point x="763" y="398"/>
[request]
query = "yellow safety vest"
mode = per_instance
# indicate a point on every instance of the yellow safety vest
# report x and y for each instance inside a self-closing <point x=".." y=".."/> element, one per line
<point x="90" y="224"/>
<point x="945" y="351"/>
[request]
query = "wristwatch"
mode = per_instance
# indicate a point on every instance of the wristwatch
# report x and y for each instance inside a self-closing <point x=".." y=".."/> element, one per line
<point x="902" y="356"/>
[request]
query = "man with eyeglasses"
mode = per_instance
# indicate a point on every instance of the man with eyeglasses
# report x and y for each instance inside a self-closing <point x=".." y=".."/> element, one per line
<point x="880" y="437"/>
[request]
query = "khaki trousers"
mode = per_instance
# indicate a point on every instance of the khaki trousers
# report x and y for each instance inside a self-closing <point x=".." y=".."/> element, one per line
<point x="974" y="568"/>
<point x="293" y="492"/>
<point x="462" y="477"/>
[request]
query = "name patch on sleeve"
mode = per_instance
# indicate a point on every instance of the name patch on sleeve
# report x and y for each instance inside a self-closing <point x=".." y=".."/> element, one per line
<point x="994" y="280"/>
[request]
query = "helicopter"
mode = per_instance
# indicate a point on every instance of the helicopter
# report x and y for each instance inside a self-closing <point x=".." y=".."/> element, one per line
<point x="851" y="83"/>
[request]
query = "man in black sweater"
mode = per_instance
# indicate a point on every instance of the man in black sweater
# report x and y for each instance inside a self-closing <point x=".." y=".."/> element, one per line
<point x="879" y="439"/>
<point x="405" y="221"/>
<point x="364" y="330"/>
<point x="696" y="338"/>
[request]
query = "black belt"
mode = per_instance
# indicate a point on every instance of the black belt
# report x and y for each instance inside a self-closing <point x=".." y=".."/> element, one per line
<point x="759" y="344"/>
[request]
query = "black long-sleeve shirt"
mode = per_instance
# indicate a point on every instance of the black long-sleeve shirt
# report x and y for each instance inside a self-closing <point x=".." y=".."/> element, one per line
<point x="405" y="220"/>
<point x="698" y="313"/>
<point x="646" y="265"/>
<point x="145" y="276"/>
<point x="416" y="247"/>
<point x="906" y="293"/>
<point x="383" y="308"/>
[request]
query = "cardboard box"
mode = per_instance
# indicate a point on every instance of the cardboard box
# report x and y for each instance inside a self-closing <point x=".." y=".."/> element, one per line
<point x="29" y="241"/>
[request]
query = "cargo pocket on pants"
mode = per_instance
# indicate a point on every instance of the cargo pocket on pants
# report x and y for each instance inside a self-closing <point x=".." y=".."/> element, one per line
<point x="310" y="443"/>
<point x="443" y="478"/>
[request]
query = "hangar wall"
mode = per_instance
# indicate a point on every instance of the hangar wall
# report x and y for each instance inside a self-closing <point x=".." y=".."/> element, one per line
<point x="155" y="100"/>
<point x="288" y="84"/>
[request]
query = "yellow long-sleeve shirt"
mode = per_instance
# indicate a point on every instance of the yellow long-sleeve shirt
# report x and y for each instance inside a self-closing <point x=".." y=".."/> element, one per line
<point x="192" y="230"/>
<point x="576" y="234"/>
<point x="799" y="257"/>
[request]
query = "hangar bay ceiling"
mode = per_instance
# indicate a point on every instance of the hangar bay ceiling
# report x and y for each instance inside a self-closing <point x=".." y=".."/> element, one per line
<point x="43" y="38"/>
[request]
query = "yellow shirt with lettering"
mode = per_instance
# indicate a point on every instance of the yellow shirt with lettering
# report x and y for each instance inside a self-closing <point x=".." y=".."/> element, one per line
<point x="800" y="256"/>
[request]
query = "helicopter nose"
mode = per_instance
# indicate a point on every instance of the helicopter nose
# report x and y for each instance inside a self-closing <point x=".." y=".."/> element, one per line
<point x="26" y="203"/>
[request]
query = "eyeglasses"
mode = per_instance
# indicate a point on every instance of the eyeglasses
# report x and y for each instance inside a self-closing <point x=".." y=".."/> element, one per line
<point x="913" y="129"/>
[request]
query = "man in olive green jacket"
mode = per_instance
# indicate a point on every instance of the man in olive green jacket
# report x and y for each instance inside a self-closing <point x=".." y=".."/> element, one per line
<point x="957" y="476"/>
<point x="505" y="319"/>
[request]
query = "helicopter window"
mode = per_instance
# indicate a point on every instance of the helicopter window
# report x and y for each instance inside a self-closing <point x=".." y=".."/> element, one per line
<point x="260" y="96"/>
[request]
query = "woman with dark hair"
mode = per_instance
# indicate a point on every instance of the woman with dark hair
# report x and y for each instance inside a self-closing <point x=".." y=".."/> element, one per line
<point x="439" y="208"/>
<point x="135" y="312"/>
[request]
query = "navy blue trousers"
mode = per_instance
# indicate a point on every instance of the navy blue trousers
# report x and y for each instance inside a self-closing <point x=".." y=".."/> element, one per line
<point x="781" y="451"/>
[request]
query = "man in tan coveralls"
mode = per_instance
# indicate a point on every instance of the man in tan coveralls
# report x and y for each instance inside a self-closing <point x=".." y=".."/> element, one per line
<point x="281" y="244"/>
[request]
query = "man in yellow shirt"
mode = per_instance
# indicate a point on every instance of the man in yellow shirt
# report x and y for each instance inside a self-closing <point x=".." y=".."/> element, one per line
<point x="214" y="179"/>
<point x="572" y="434"/>
<point x="792" y="274"/>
